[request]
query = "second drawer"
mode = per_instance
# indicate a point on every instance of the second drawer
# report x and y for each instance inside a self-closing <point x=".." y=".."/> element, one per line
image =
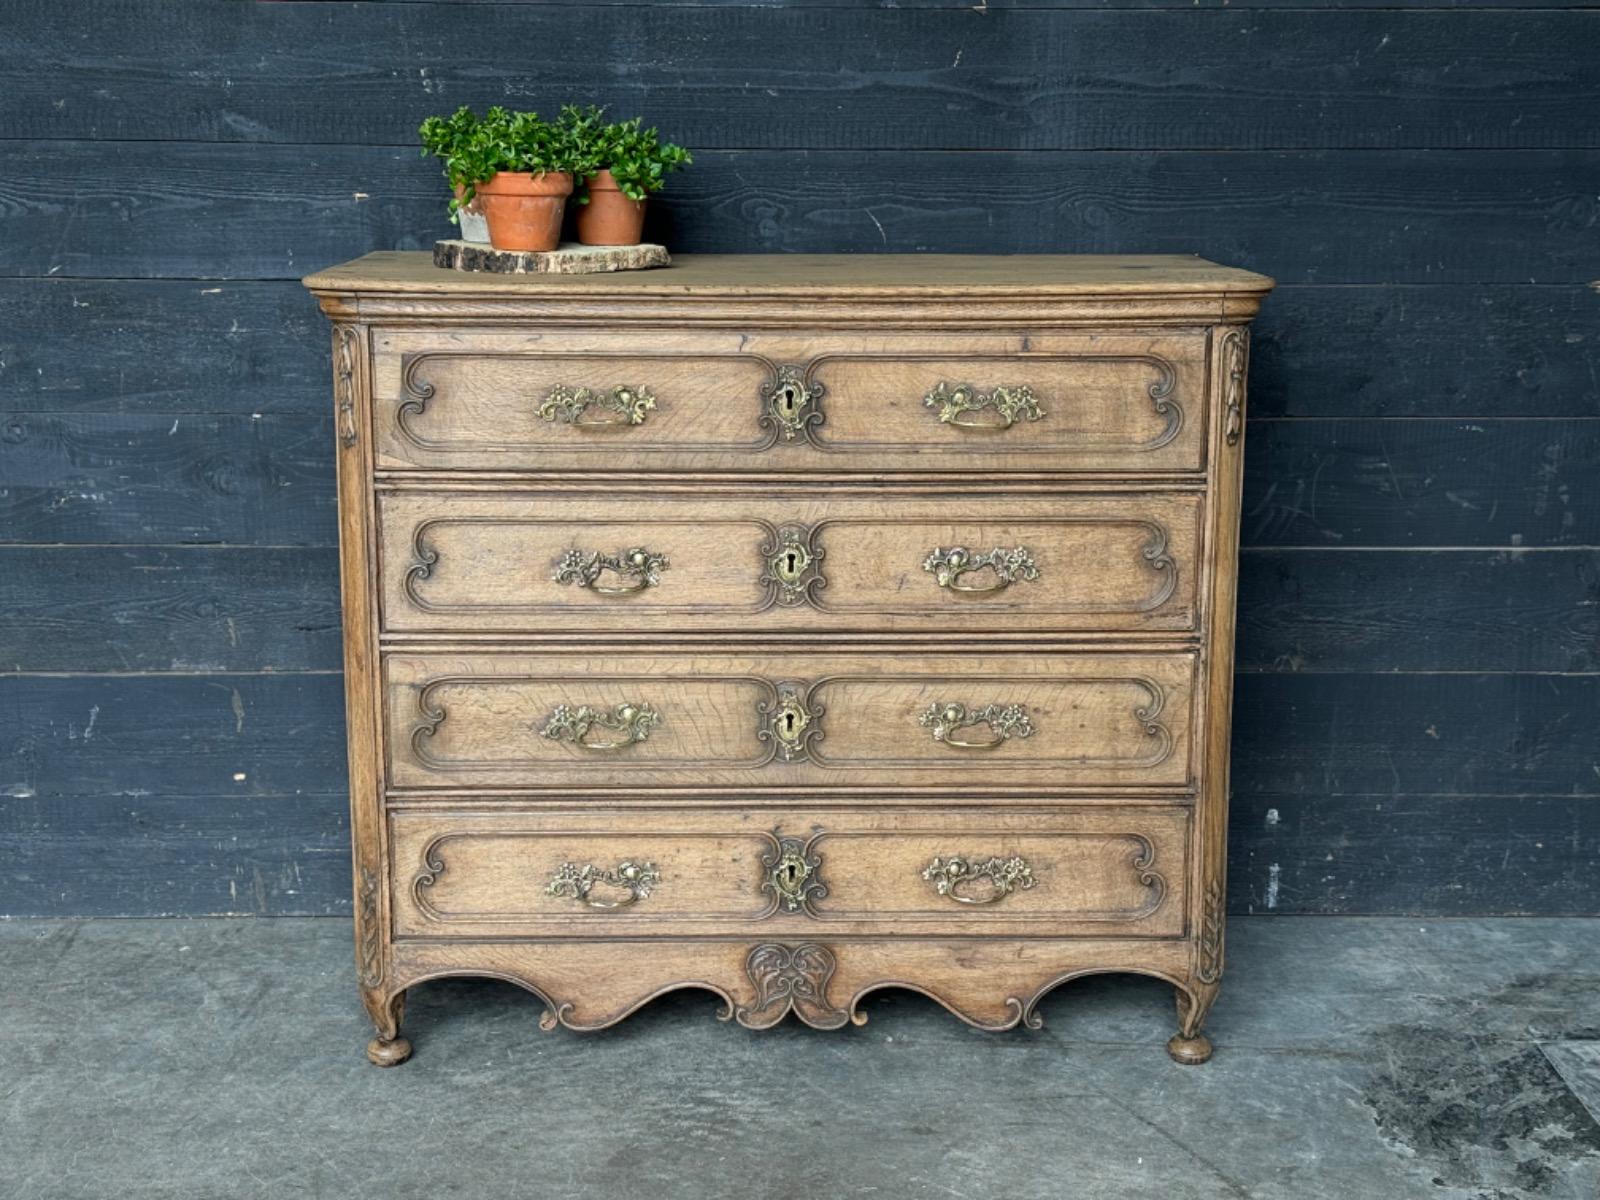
<point x="958" y="563"/>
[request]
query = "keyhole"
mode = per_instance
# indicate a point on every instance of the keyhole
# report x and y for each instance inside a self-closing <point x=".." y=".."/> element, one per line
<point x="790" y="401"/>
<point x="788" y="723"/>
<point x="791" y="562"/>
<point x="791" y="875"/>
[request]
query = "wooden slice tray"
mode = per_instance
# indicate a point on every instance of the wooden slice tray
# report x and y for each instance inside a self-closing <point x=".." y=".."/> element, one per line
<point x="569" y="258"/>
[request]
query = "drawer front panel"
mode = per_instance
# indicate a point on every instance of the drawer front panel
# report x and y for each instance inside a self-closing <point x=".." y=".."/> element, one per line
<point x="963" y="871"/>
<point x="954" y="722"/>
<point x="954" y="564"/>
<point x="576" y="400"/>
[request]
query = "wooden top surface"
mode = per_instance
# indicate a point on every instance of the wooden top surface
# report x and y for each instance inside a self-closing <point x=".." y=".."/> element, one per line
<point x="401" y="271"/>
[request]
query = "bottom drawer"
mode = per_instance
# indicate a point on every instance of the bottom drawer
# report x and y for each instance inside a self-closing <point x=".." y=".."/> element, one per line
<point x="1110" y="870"/>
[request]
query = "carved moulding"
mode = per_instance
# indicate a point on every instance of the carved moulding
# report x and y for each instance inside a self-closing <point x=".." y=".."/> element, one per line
<point x="345" y="343"/>
<point x="1235" y="360"/>
<point x="798" y="979"/>
<point x="791" y="979"/>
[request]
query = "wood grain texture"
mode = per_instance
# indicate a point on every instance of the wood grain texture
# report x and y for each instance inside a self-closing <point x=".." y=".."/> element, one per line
<point x="179" y="609"/>
<point x="147" y="478"/>
<point x="272" y="212"/>
<point x="171" y="736"/>
<point x="1425" y="351"/>
<point x="148" y="855"/>
<point x="1466" y="733"/>
<point x="1374" y="611"/>
<point x="131" y="346"/>
<point x="997" y="79"/>
<point x="1436" y="855"/>
<point x="1495" y="482"/>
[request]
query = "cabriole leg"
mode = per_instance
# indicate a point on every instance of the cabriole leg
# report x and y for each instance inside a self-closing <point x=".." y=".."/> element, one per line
<point x="388" y="1049"/>
<point x="1189" y="1046"/>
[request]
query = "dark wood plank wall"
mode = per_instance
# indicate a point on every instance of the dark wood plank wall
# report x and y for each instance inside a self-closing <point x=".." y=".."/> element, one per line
<point x="1419" y="687"/>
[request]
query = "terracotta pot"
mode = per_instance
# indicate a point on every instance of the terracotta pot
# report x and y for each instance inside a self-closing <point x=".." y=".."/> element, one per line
<point x="610" y="218"/>
<point x="524" y="210"/>
<point x="469" y="217"/>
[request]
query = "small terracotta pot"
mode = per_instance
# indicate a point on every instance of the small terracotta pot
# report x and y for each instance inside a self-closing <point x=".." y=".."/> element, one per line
<point x="469" y="219"/>
<point x="524" y="210"/>
<point x="610" y="218"/>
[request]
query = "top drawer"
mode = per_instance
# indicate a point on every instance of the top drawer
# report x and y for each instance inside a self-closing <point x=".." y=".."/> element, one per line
<point x="566" y="400"/>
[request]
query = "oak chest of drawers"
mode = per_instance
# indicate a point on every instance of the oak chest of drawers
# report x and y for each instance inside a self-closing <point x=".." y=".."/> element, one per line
<point x="790" y="627"/>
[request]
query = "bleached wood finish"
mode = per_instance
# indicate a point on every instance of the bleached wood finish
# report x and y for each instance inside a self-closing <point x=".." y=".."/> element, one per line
<point x="713" y="681"/>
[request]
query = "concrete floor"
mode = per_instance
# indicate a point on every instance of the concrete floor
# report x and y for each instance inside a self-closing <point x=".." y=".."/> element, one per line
<point x="1356" y="1058"/>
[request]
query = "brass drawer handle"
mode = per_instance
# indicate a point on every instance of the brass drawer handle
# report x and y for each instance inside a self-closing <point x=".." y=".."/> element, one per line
<point x="636" y="879"/>
<point x="1005" y="721"/>
<point x="1005" y="875"/>
<point x="953" y="403"/>
<point x="633" y="721"/>
<point x="640" y="568"/>
<point x="950" y="567"/>
<point x="622" y="405"/>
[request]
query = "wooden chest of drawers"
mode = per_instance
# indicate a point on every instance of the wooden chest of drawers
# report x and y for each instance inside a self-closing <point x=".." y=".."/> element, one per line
<point x="790" y="628"/>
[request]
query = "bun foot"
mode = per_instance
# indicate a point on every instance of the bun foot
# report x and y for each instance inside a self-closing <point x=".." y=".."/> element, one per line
<point x="1190" y="1051"/>
<point x="388" y="1052"/>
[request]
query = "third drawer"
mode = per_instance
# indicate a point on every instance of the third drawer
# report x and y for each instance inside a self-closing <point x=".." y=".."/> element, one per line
<point x="965" y="723"/>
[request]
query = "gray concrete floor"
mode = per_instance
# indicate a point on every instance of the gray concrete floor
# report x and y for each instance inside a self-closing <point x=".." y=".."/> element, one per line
<point x="1356" y="1058"/>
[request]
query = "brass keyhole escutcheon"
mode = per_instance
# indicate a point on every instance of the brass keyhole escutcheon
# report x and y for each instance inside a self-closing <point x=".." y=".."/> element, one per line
<point x="791" y="563"/>
<point x="789" y="401"/>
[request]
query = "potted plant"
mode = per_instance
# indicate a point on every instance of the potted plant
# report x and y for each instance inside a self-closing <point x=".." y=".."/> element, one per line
<point x="529" y="177"/>
<point x="621" y="165"/>
<point x="452" y="141"/>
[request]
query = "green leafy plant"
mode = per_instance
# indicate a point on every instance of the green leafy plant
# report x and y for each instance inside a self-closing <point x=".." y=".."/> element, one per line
<point x="637" y="158"/>
<point x="474" y="149"/>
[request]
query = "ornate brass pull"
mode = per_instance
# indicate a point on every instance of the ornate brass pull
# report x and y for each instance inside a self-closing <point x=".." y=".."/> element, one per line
<point x="622" y="405"/>
<point x="950" y="567"/>
<point x="1008" y="404"/>
<point x="636" y="879"/>
<point x="640" y="568"/>
<point x="633" y="721"/>
<point x="1005" y="875"/>
<point x="1004" y="720"/>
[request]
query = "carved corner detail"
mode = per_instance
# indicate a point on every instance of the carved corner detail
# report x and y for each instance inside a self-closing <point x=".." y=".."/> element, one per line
<point x="792" y="979"/>
<point x="369" y="939"/>
<point x="345" y="341"/>
<point x="1209" y="967"/>
<point x="1235" y="360"/>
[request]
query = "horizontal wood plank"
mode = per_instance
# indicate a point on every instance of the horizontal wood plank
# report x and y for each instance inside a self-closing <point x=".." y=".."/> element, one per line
<point x="184" y="856"/>
<point x="147" y="478"/>
<point x="1018" y="79"/>
<point x="1423" y="351"/>
<point x="143" y="478"/>
<point x="209" y="210"/>
<point x="1432" y="610"/>
<point x="1288" y="854"/>
<point x="182" y="609"/>
<point x="1325" y="735"/>
<point x="1306" y="733"/>
<point x="77" y="345"/>
<point x="1432" y="856"/>
<point x="1422" y="483"/>
<point x="137" y="736"/>
<point x="108" y="345"/>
